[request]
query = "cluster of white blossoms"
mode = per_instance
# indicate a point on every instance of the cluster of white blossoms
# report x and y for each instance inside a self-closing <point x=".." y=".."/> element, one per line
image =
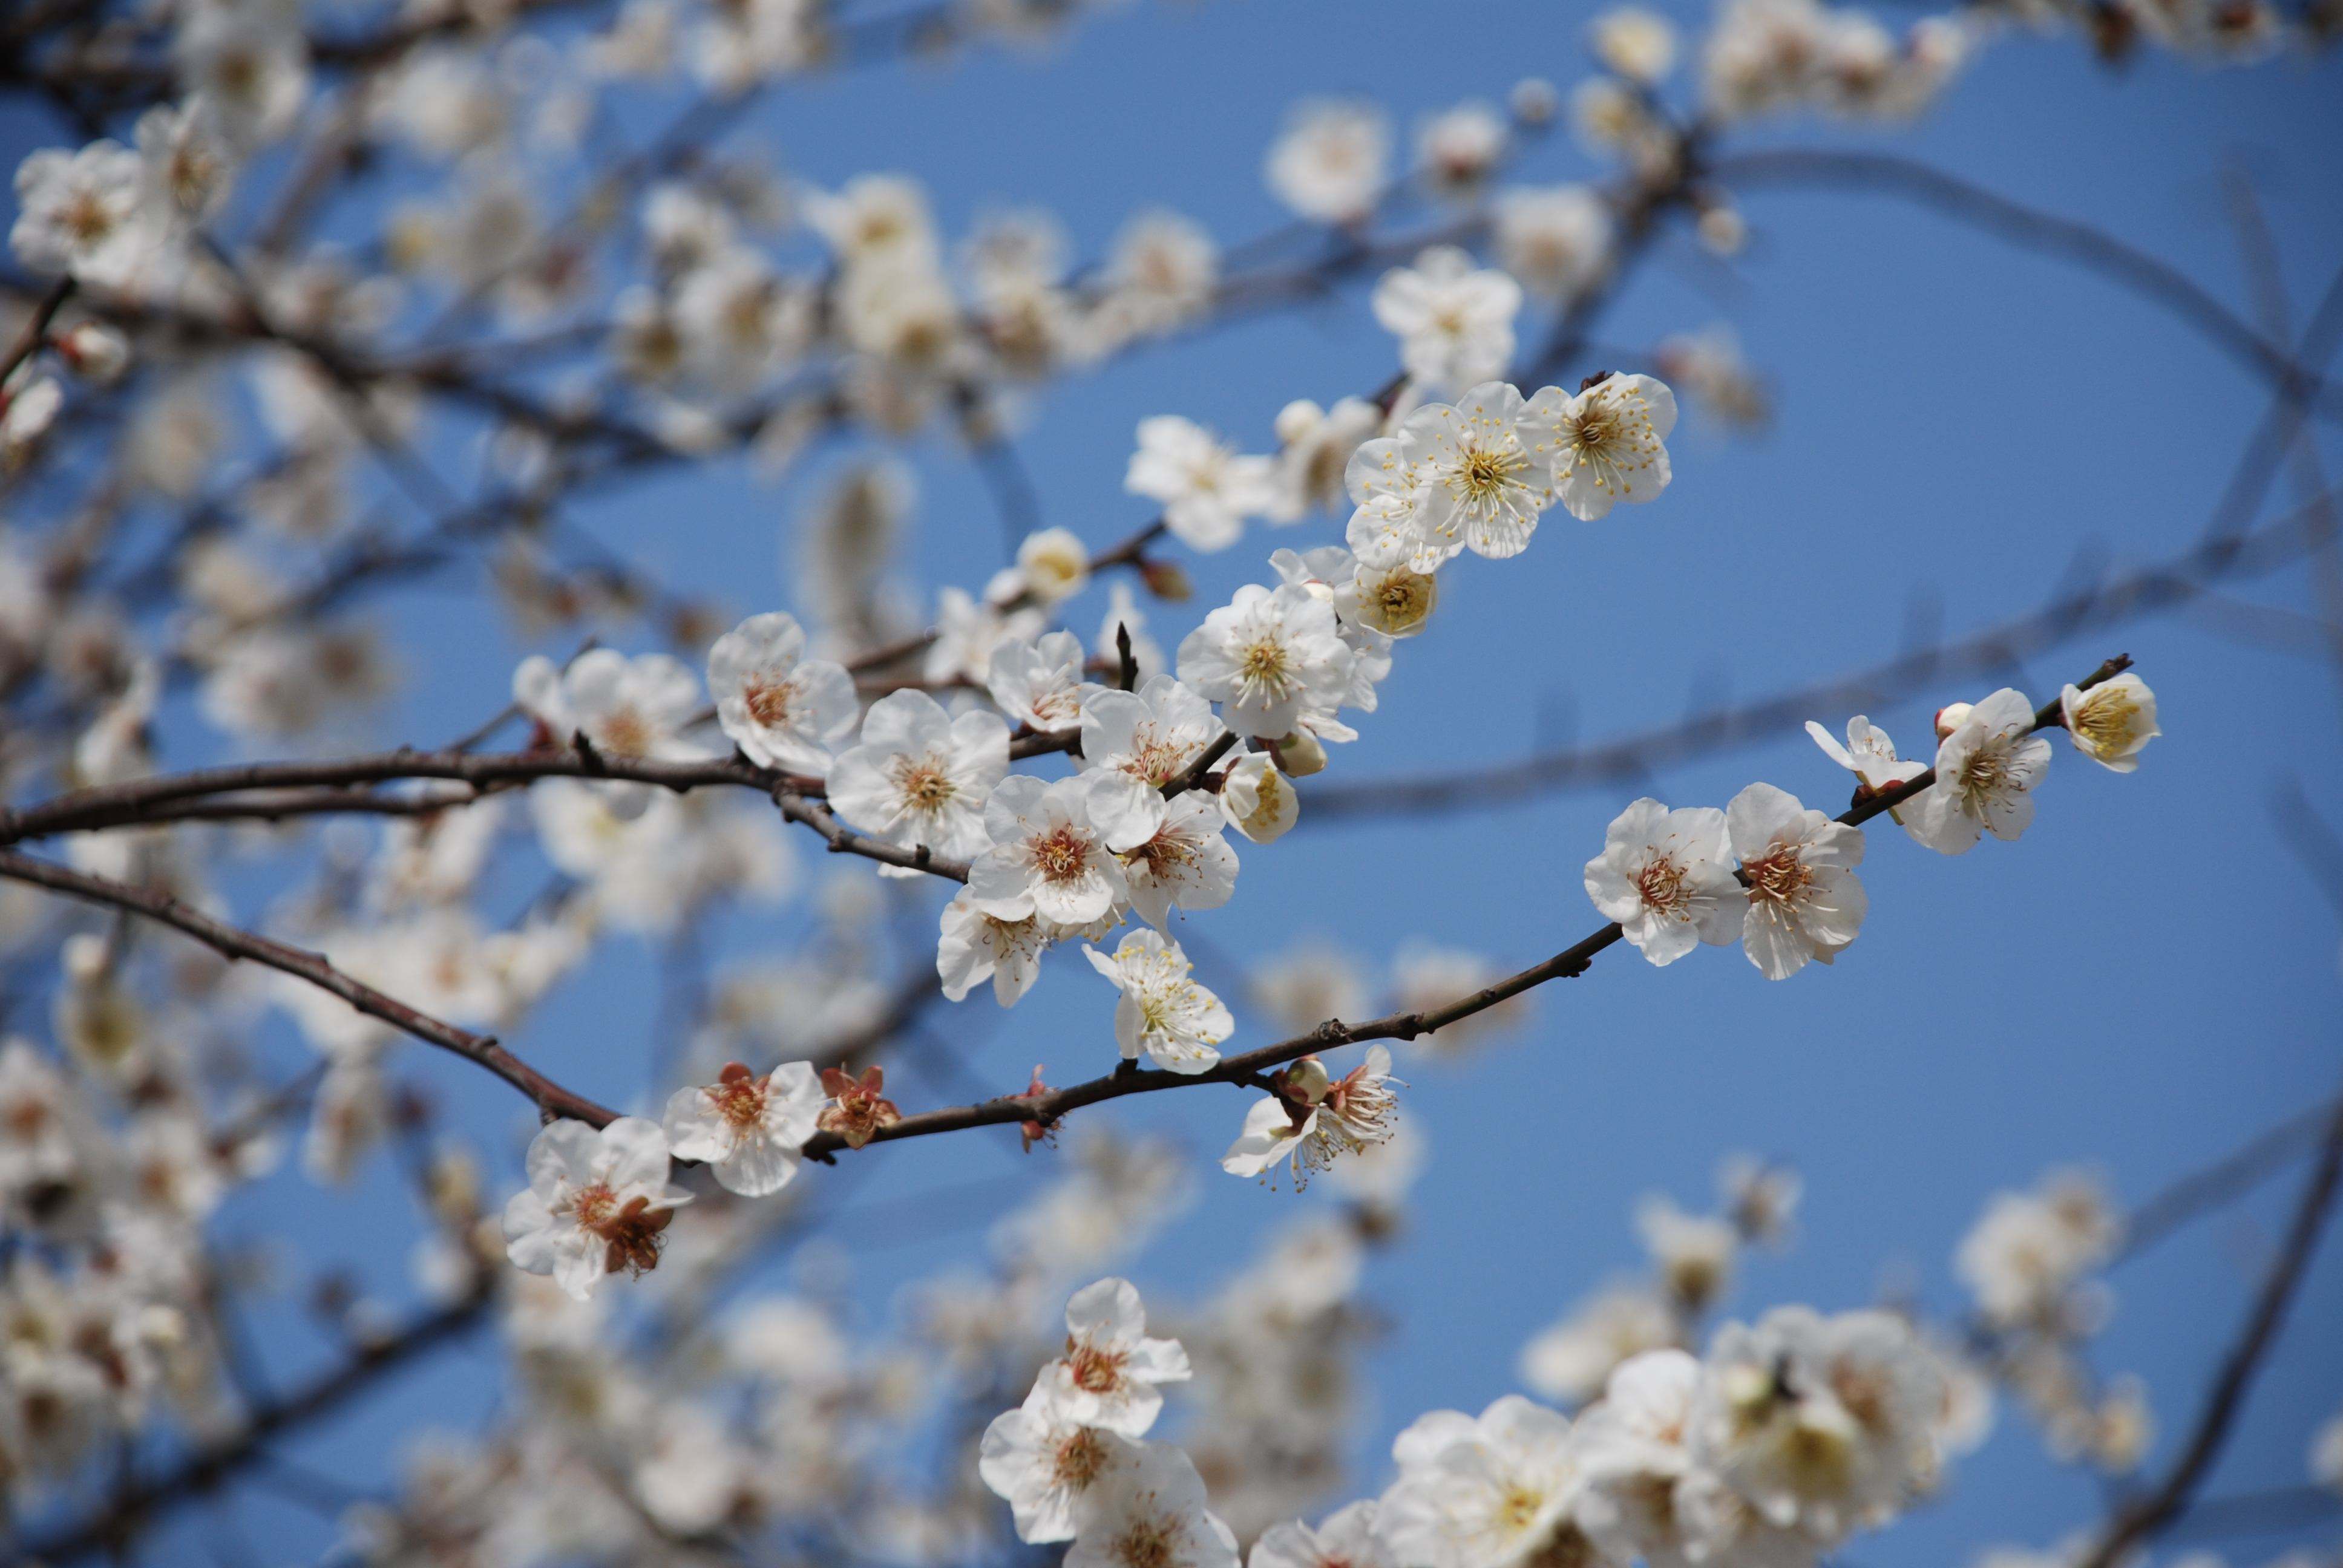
<point x="1779" y="878"/>
<point x="1788" y="1437"/>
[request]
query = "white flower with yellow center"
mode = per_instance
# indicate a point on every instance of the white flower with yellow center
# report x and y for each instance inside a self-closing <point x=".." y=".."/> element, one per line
<point x="1179" y="1024"/>
<point x="1257" y="799"/>
<point x="1206" y="487"/>
<point x="1151" y="1514"/>
<point x="1344" y="1116"/>
<point x="1494" y="1492"/>
<point x="1040" y="683"/>
<point x="1332" y="162"/>
<point x="1267" y="658"/>
<point x="1046" y="1466"/>
<point x="1986" y="770"/>
<point x="920" y="778"/>
<point x="1053" y="846"/>
<point x="1153" y="734"/>
<point x="1453" y="320"/>
<point x="746" y="1128"/>
<point x="1607" y="445"/>
<point x="2111" y="722"/>
<point x="1804" y="901"/>
<point x="975" y="946"/>
<point x="1485" y="483"/>
<point x="1109" y="1372"/>
<point x="1663" y="876"/>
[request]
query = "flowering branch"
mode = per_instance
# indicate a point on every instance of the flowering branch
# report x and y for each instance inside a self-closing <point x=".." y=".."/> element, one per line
<point x="1245" y="1069"/>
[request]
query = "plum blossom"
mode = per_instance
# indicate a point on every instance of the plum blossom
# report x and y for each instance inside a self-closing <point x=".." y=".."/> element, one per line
<point x="1153" y="734"/>
<point x="920" y="779"/>
<point x="1185" y="864"/>
<point x="633" y="708"/>
<point x="1178" y="1023"/>
<point x="1454" y="321"/>
<point x="1332" y="162"/>
<point x="1485" y="482"/>
<point x="1107" y="1377"/>
<point x="1868" y="754"/>
<point x="1986" y="769"/>
<point x="1804" y="901"/>
<point x="1490" y="1492"/>
<point x="859" y="1108"/>
<point x="1257" y="799"/>
<point x="1268" y="656"/>
<point x="1207" y="490"/>
<point x="1663" y="876"/>
<point x="1344" y="1539"/>
<point x="781" y="708"/>
<point x="82" y="214"/>
<point x="1055" y="564"/>
<point x="2112" y="722"/>
<point x="1040" y="683"/>
<point x="1151" y="1514"/>
<point x="596" y="1202"/>
<point x="1053" y="846"/>
<point x="1046" y="1465"/>
<point x="1607" y="444"/>
<point x="1556" y="239"/>
<point x="1314" y="1121"/>
<point x="976" y="947"/>
<point x="747" y="1127"/>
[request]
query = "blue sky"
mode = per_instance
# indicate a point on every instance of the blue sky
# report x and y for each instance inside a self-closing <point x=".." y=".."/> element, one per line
<point x="2144" y="981"/>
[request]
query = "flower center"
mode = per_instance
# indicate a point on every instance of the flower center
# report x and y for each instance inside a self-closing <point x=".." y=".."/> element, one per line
<point x="1062" y="854"/>
<point x="1148" y="1544"/>
<point x="1265" y="663"/>
<point x="740" y="1100"/>
<point x="2105" y="722"/>
<point x="1779" y="878"/>
<point x="1094" y="1371"/>
<point x="769" y="702"/>
<point x="925" y="786"/>
<point x="626" y="733"/>
<point x="1080" y="1457"/>
<point x="1486" y="472"/>
<point x="1665" y="887"/>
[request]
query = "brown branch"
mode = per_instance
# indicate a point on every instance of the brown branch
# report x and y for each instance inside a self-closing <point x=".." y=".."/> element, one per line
<point x="1244" y="1070"/>
<point x="36" y="329"/>
<point x="233" y="942"/>
<point x="2141" y="1520"/>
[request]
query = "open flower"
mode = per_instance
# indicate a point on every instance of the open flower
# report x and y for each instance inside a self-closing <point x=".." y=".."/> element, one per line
<point x="1804" y="901"/>
<point x="1986" y="772"/>
<point x="1662" y="875"/>
<point x="1177" y="1023"/>
<point x="1485" y="483"/>
<point x="2112" y="722"/>
<point x="1484" y="1492"/>
<point x="976" y="947"/>
<point x="1153" y="734"/>
<point x="596" y="1202"/>
<point x="1053" y="846"/>
<point x="781" y="708"/>
<point x="1868" y="754"/>
<point x="1107" y="1375"/>
<point x="1607" y="444"/>
<point x="747" y="1127"/>
<point x="1046" y="1465"/>
<point x="1345" y="1539"/>
<point x="1267" y="658"/>
<point x="1315" y="1126"/>
<point x="1040" y="683"/>
<point x="1185" y="864"/>
<point x="1453" y="320"/>
<point x="920" y="778"/>
<point x="1152" y="1515"/>
<point x="1207" y="490"/>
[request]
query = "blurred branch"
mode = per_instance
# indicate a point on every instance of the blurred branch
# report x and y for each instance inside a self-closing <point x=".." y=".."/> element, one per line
<point x="2141" y="1520"/>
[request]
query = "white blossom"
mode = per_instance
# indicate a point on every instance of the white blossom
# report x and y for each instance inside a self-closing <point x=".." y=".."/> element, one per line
<point x="1107" y="1377"/>
<point x="1454" y="322"/>
<point x="1663" y="876"/>
<point x="1495" y="1492"/>
<point x="81" y="214"/>
<point x="596" y="1202"/>
<point x="1046" y="1465"/>
<point x="782" y="709"/>
<point x="1152" y="1515"/>
<point x="1868" y="754"/>
<point x="746" y="1128"/>
<point x="1332" y="160"/>
<point x="1040" y="683"/>
<point x="1177" y="1023"/>
<point x="1267" y="658"/>
<point x="1207" y="490"/>
<point x="1257" y="799"/>
<point x="1607" y="444"/>
<point x="1053" y="845"/>
<point x="2112" y="722"/>
<point x="1986" y="769"/>
<point x="975" y="946"/>
<point x="920" y="778"/>
<point x="1804" y="901"/>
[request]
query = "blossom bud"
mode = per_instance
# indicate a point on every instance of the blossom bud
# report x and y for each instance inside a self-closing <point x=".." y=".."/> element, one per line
<point x="1306" y="1081"/>
<point x="1300" y="754"/>
<point x="1951" y="717"/>
<point x="1723" y="230"/>
<point x="1167" y="580"/>
<point x="1056" y="565"/>
<point x="94" y="351"/>
<point x="1535" y="100"/>
<point x="1297" y="419"/>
